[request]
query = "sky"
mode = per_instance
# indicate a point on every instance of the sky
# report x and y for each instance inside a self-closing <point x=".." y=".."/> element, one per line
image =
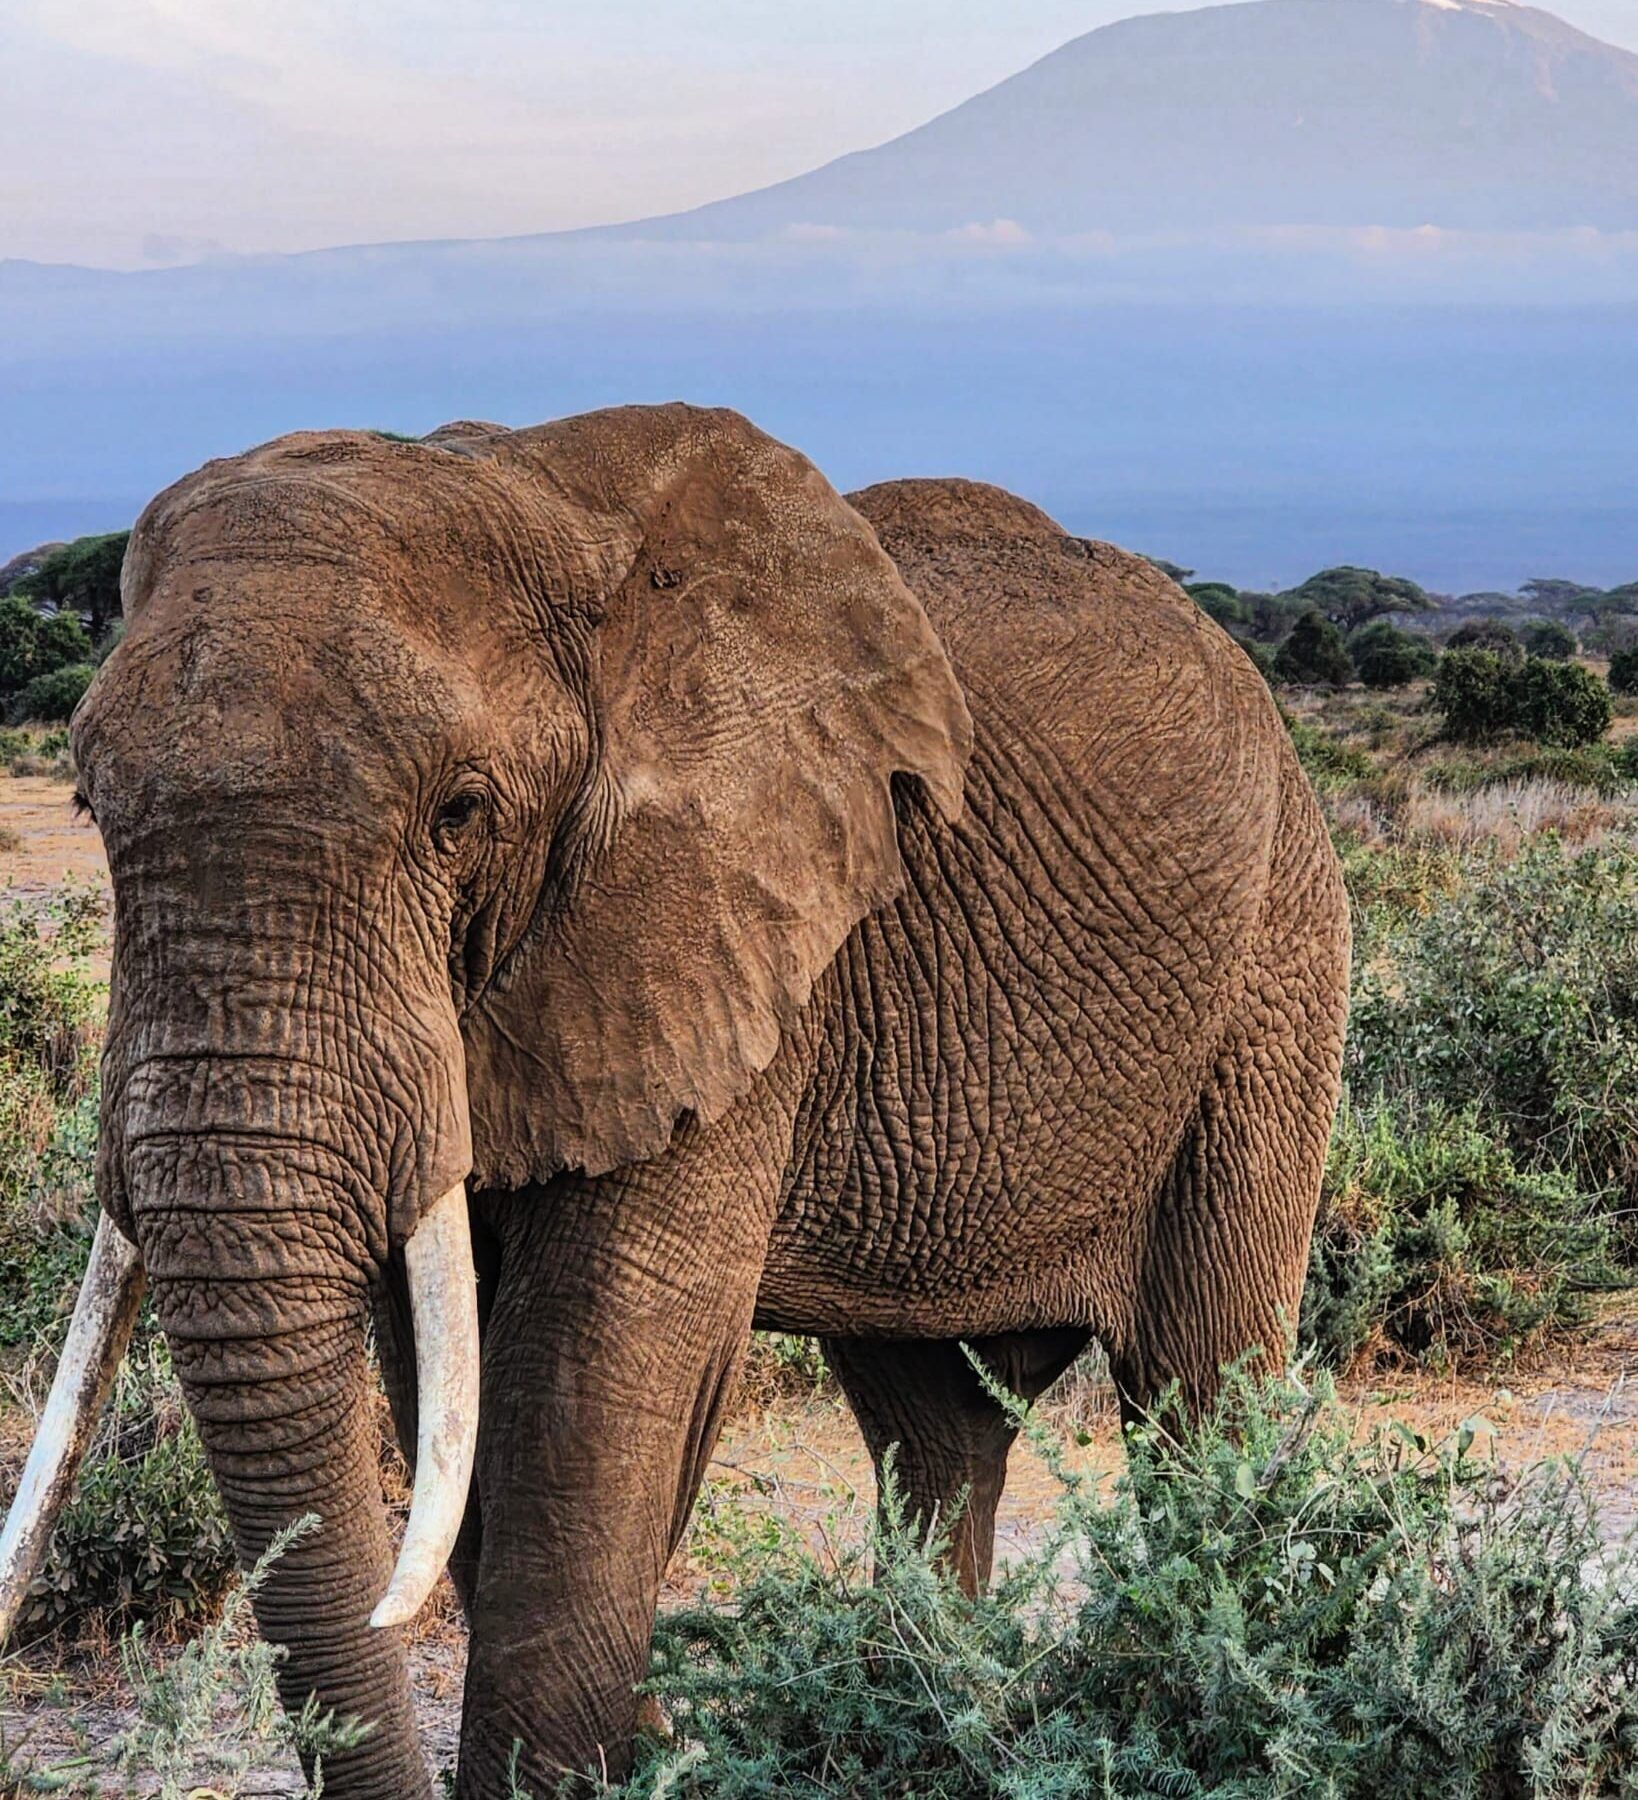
<point x="144" y="132"/>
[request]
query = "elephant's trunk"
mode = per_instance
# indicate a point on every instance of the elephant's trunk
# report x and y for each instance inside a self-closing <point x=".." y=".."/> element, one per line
<point x="265" y="1306"/>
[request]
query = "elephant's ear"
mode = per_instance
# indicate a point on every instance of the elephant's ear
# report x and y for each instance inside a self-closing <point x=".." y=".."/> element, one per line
<point x="759" y="673"/>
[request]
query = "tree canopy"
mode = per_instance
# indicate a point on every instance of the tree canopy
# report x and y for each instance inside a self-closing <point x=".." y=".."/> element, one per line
<point x="1313" y="654"/>
<point x="1350" y="597"/>
<point x="81" y="577"/>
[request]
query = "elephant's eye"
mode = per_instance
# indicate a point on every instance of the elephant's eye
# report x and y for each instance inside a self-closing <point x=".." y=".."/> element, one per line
<point x="458" y="815"/>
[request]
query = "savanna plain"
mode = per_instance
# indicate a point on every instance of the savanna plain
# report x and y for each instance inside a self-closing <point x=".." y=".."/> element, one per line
<point x="1408" y="1561"/>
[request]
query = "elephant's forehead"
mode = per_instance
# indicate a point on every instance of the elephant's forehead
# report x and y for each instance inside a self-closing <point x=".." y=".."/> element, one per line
<point x="208" y="700"/>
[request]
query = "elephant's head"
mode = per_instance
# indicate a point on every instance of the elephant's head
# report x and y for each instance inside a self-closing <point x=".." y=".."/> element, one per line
<point x="475" y="809"/>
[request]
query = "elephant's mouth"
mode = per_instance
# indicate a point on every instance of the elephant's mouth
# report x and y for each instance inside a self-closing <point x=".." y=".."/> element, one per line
<point x="443" y="1299"/>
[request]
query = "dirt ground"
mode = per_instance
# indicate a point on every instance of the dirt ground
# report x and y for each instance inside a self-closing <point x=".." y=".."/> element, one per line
<point x="52" y="845"/>
<point x="799" y="1455"/>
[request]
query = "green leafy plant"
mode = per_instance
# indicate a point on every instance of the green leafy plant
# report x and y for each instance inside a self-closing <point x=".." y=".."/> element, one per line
<point x="1487" y="634"/>
<point x="49" y="699"/>
<point x="1386" y="657"/>
<point x="82" y="577"/>
<point x="1550" y="639"/>
<point x="1434" y="1245"/>
<point x="1262" y="1606"/>
<point x="144" y="1540"/>
<point x="1313" y="654"/>
<point x="1481" y="697"/>
<point x="1624" y="670"/>
<point x="1518" y="994"/>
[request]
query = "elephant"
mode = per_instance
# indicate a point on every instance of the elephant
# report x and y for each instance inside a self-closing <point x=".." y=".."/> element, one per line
<point x="583" y="893"/>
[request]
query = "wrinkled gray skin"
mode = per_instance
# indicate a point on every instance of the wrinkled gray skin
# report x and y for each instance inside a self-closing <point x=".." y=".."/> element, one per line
<point x="909" y="947"/>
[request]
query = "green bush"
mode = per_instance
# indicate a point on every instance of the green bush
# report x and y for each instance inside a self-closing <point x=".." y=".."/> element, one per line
<point x="1487" y="634"/>
<point x="50" y="699"/>
<point x="144" y="1540"/>
<point x="1262" y="1608"/>
<point x="1434" y="1245"/>
<point x="1481" y="697"/>
<point x="1549" y="639"/>
<point x="1386" y="657"/>
<point x="1218" y="601"/>
<point x="1624" y="670"/>
<point x="1603" y="769"/>
<point x="33" y="645"/>
<point x="1519" y="995"/>
<point x="1329" y="764"/>
<point x="1471" y="695"/>
<point x="36" y="752"/>
<point x="1313" y="655"/>
<point x="1559" y="703"/>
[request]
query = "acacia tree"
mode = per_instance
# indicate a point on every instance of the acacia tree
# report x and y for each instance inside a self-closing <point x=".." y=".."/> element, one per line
<point x="81" y="577"/>
<point x="1351" y="597"/>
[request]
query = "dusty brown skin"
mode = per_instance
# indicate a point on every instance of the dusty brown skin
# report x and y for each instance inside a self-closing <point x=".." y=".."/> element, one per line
<point x="898" y="953"/>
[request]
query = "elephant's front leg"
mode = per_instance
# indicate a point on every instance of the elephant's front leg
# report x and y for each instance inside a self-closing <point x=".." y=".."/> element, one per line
<point x="620" y="1319"/>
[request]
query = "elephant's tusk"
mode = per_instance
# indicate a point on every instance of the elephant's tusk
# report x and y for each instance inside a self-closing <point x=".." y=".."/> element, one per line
<point x="444" y="1307"/>
<point x="104" y="1317"/>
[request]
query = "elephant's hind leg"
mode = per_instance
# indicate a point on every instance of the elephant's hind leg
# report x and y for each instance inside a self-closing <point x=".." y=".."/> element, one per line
<point x="952" y="1438"/>
<point x="1222" y="1273"/>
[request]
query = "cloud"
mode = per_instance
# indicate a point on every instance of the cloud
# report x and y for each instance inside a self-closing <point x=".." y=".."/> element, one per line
<point x="1003" y="232"/>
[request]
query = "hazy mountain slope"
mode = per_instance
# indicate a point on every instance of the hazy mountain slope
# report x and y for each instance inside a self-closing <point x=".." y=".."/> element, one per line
<point x="1468" y="114"/>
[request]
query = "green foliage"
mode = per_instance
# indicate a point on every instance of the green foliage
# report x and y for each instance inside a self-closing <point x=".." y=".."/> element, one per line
<point x="1313" y="655"/>
<point x="19" y="643"/>
<point x="1262" y="1608"/>
<point x="82" y="577"/>
<point x="1217" y="600"/>
<point x="1433" y="1244"/>
<point x="63" y="641"/>
<point x="50" y="699"/>
<point x="35" y="752"/>
<point x="1602" y="769"/>
<point x="1559" y="703"/>
<point x="46" y="1002"/>
<point x="1330" y="765"/>
<point x="33" y="646"/>
<point x="1351" y="597"/>
<point x="144" y="1539"/>
<point x="1386" y="657"/>
<point x="1481" y="697"/>
<point x="211" y="1710"/>
<point x="1549" y="639"/>
<point x="1624" y="671"/>
<point x="1556" y="594"/>
<point x="1518" y="995"/>
<point x="1487" y="634"/>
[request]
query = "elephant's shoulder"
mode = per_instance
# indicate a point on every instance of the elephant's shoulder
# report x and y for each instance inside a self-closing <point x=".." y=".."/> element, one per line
<point x="1005" y="584"/>
<point x="957" y="541"/>
<point x="1074" y="645"/>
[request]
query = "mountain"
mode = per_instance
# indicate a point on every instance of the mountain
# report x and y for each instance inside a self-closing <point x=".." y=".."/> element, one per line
<point x="1141" y="282"/>
<point x="1471" y="115"/>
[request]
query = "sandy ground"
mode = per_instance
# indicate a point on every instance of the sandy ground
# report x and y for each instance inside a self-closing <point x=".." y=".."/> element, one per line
<point x="800" y="1456"/>
<point x="52" y="845"/>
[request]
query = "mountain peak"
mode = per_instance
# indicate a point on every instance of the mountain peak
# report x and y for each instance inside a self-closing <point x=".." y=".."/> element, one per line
<point x="1270" y="113"/>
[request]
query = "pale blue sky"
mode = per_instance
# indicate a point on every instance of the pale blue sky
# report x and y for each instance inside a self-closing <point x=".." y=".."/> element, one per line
<point x="150" y="130"/>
